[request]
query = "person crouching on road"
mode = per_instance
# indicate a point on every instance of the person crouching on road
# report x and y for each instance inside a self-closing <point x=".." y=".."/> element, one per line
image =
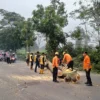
<point x="87" y="67"/>
<point x="55" y="63"/>
<point x="31" y="61"/>
<point x="68" y="60"/>
<point x="42" y="63"/>
<point x="27" y="58"/>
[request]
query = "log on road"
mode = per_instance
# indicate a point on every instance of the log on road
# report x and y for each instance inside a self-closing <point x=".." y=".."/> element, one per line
<point x="65" y="73"/>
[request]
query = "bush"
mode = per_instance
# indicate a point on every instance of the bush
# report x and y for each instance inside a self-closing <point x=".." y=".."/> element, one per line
<point x="95" y="60"/>
<point x="21" y="55"/>
<point x="96" y="67"/>
<point x="78" y="62"/>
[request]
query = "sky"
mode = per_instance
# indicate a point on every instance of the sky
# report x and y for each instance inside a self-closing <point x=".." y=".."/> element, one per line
<point x="25" y="8"/>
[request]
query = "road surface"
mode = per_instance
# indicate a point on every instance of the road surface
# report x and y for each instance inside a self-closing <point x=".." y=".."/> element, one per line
<point x="18" y="82"/>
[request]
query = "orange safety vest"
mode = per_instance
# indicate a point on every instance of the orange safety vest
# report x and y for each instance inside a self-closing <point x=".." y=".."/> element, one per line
<point x="87" y="62"/>
<point x="67" y="58"/>
<point x="55" y="62"/>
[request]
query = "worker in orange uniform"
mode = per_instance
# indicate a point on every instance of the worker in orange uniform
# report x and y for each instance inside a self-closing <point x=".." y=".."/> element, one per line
<point x="42" y="63"/>
<point x="68" y="60"/>
<point x="87" y="67"/>
<point x="55" y="63"/>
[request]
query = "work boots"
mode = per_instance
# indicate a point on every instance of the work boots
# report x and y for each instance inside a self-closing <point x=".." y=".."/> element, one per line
<point x="31" y="68"/>
<point x="41" y="71"/>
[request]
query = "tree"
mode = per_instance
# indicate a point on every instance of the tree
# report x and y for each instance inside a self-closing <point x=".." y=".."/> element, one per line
<point x="27" y="34"/>
<point x="78" y="34"/>
<point x="81" y="14"/>
<point x="10" y="30"/>
<point x="90" y="15"/>
<point x="94" y="14"/>
<point x="49" y="21"/>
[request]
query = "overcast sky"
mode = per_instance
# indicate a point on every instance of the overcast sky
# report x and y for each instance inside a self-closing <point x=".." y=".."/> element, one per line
<point x="25" y="8"/>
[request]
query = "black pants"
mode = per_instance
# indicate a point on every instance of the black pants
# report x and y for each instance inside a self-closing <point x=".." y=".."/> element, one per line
<point x="31" y="64"/>
<point x="8" y="60"/>
<point x="88" y="76"/>
<point x="27" y="61"/>
<point x="37" y="65"/>
<point x="55" y="71"/>
<point x="42" y="66"/>
<point x="70" y="64"/>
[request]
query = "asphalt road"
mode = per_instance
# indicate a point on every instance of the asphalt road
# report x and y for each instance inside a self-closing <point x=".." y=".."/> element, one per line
<point x="18" y="82"/>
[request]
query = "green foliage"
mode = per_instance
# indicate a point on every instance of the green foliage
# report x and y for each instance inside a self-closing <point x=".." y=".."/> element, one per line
<point x="89" y="14"/>
<point x="11" y="24"/>
<point x="77" y="33"/>
<point x="95" y="59"/>
<point x="21" y="54"/>
<point x="96" y="67"/>
<point x="15" y="32"/>
<point x="94" y="55"/>
<point x="8" y="40"/>
<point x="49" y="21"/>
<point x="27" y="34"/>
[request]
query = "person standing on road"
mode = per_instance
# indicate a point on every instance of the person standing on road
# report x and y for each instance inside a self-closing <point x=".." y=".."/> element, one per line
<point x="42" y="63"/>
<point x="8" y="57"/>
<point x="68" y="60"/>
<point x="87" y="67"/>
<point x="37" y="61"/>
<point x="35" y="55"/>
<point x="31" y="61"/>
<point x="55" y="63"/>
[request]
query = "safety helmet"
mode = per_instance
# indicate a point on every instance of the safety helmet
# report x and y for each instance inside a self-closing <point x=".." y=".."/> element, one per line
<point x="56" y="53"/>
<point x="64" y="53"/>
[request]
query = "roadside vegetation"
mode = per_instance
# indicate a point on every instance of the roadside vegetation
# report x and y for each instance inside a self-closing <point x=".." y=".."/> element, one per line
<point x="16" y="32"/>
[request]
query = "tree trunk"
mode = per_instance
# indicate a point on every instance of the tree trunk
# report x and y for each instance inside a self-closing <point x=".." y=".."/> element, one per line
<point x="99" y="43"/>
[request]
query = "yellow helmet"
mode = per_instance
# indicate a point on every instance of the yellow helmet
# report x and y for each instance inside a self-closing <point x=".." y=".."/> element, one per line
<point x="64" y="53"/>
<point x="56" y="53"/>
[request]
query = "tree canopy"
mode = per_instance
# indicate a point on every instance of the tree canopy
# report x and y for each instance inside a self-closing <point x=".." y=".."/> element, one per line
<point x="49" y="21"/>
<point x="15" y="32"/>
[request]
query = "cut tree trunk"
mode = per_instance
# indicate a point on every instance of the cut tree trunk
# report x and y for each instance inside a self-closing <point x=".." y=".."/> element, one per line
<point x="65" y="73"/>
